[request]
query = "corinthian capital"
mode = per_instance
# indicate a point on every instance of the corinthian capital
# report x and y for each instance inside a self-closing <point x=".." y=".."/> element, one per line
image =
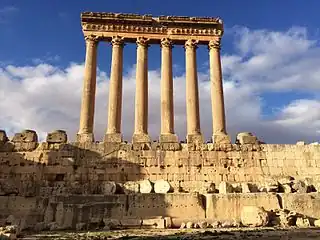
<point x="215" y="43"/>
<point x="166" y="42"/>
<point x="92" y="38"/>
<point x="117" y="41"/>
<point x="191" y="43"/>
<point x="141" y="41"/>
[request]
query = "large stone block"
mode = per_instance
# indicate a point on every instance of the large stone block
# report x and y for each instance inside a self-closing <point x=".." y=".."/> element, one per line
<point x="246" y="138"/>
<point x="228" y="206"/>
<point x="26" y="136"/>
<point x="3" y="136"/>
<point x="58" y="136"/>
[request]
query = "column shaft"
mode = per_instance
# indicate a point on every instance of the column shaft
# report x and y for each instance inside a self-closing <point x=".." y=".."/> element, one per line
<point x="141" y="96"/>
<point x="217" y="99"/>
<point x="89" y="90"/>
<point x="192" y="93"/>
<point x="115" y="92"/>
<point x="167" y="114"/>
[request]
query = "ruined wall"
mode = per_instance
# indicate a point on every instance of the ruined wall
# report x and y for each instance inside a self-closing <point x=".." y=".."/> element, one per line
<point x="44" y="174"/>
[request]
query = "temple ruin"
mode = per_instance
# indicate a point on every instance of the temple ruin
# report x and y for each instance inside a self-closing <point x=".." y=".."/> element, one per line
<point x="87" y="184"/>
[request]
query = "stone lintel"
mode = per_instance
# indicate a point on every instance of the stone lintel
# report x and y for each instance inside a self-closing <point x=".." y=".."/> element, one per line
<point x="221" y="139"/>
<point x="85" y="137"/>
<point x="113" y="137"/>
<point x="195" y="138"/>
<point x="141" y="138"/>
<point x="168" y="138"/>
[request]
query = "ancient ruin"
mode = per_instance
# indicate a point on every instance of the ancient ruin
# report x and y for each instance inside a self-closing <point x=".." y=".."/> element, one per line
<point x="87" y="184"/>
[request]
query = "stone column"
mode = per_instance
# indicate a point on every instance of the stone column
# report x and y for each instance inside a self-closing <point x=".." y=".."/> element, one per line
<point x="217" y="101"/>
<point x="113" y="133"/>
<point x="167" y="118"/>
<point x="85" y="133"/>
<point x="140" y="134"/>
<point x="192" y="93"/>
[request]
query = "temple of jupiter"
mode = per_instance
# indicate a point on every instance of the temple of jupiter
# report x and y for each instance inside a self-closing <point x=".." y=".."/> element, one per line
<point x="165" y="31"/>
<point x="61" y="185"/>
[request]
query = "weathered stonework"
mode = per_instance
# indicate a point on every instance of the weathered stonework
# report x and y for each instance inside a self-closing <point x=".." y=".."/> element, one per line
<point x="56" y="185"/>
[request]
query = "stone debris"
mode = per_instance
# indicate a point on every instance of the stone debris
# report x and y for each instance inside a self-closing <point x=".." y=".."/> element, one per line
<point x="245" y="188"/>
<point x="162" y="186"/>
<point x="283" y="218"/>
<point x="183" y="225"/>
<point x="254" y="216"/>
<point x="3" y="136"/>
<point x="189" y="225"/>
<point x="225" y="187"/>
<point x="301" y="143"/>
<point x="131" y="187"/>
<point x="316" y="223"/>
<point x="109" y="188"/>
<point x="146" y="186"/>
<point x="299" y="187"/>
<point x="303" y="222"/>
<point x="203" y="224"/>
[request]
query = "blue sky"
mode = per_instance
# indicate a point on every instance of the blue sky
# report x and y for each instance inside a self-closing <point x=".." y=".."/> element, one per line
<point x="270" y="62"/>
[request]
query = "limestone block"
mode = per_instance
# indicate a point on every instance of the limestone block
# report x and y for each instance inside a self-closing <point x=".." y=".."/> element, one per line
<point x="299" y="187"/>
<point x="189" y="225"/>
<point x="25" y="136"/>
<point x="300" y="143"/>
<point x="168" y="222"/>
<point x="225" y="187"/>
<point x="254" y="216"/>
<point x="203" y="224"/>
<point x="183" y="225"/>
<point x="316" y="223"/>
<point x="3" y="136"/>
<point x="246" y="138"/>
<point x="286" y="188"/>
<point x="245" y="188"/>
<point x="108" y="188"/>
<point x="302" y="222"/>
<point x="131" y="187"/>
<point x="162" y="186"/>
<point x="158" y="223"/>
<point x="146" y="186"/>
<point x="58" y="136"/>
<point x="130" y="222"/>
<point x="8" y="187"/>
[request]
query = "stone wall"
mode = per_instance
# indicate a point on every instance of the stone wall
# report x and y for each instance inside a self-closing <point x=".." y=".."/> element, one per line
<point x="69" y="175"/>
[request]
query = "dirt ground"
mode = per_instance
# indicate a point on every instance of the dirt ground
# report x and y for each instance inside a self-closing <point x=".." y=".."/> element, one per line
<point x="173" y="234"/>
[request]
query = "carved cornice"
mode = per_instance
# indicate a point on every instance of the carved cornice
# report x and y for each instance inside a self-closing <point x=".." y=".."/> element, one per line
<point x="141" y="41"/>
<point x="191" y="44"/>
<point x="157" y="29"/>
<point x="166" y="42"/>
<point x="117" y="41"/>
<point x="215" y="43"/>
<point x="92" y="38"/>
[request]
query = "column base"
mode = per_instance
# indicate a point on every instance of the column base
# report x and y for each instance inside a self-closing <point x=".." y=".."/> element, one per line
<point x="168" y="138"/>
<point x="221" y="139"/>
<point x="85" y="137"/>
<point x="113" y="137"/>
<point x="194" y="138"/>
<point x="141" y="138"/>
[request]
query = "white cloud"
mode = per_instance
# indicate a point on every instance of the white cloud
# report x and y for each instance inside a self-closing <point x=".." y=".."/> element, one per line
<point x="46" y="97"/>
<point x="6" y="12"/>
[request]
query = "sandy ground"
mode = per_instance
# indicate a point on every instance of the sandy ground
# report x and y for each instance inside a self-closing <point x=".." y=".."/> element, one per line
<point x="244" y="233"/>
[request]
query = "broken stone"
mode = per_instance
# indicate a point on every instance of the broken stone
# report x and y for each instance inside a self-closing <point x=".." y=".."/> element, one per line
<point x="299" y="187"/>
<point x="245" y="188"/>
<point x="225" y="187"/>
<point x="302" y="222"/>
<point x="8" y="187"/>
<point x="203" y="224"/>
<point x="40" y="226"/>
<point x="25" y="136"/>
<point x="189" y="225"/>
<point x="183" y="225"/>
<point x="286" y="188"/>
<point x="108" y="188"/>
<point x="236" y="187"/>
<point x="316" y="223"/>
<point x="215" y="224"/>
<point x="80" y="226"/>
<point x="162" y="186"/>
<point x="146" y="186"/>
<point x="3" y="136"/>
<point x="58" y="136"/>
<point x="53" y="226"/>
<point x="254" y="216"/>
<point x="168" y="222"/>
<point x="131" y="187"/>
<point x="314" y="143"/>
<point x="246" y="138"/>
<point x="300" y="143"/>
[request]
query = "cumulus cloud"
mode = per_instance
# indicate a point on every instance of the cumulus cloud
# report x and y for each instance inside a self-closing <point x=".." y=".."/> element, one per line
<point x="46" y="97"/>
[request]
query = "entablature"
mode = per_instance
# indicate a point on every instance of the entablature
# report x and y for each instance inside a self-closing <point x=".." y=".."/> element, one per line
<point x="132" y="26"/>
